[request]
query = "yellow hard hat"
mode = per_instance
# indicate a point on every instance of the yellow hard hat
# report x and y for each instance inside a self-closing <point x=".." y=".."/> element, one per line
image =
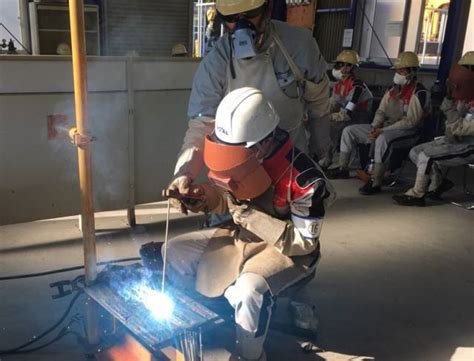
<point x="211" y="14"/>
<point x="407" y="59"/>
<point x="348" y="56"/>
<point x="178" y="49"/>
<point x="467" y="59"/>
<point x="230" y="7"/>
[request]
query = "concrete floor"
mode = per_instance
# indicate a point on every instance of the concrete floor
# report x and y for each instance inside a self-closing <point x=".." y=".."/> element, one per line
<point x="394" y="283"/>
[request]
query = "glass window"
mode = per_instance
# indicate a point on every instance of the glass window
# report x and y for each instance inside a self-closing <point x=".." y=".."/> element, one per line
<point x="10" y="22"/>
<point x="383" y="23"/>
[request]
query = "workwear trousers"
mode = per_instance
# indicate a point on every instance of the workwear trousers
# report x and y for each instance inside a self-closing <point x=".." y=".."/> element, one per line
<point x="250" y="295"/>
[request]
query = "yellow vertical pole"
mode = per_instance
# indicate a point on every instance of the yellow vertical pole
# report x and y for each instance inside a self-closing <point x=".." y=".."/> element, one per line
<point x="84" y="153"/>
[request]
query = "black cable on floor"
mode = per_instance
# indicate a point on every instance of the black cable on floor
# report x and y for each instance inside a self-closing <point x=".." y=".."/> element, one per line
<point x="49" y="330"/>
<point x="61" y="270"/>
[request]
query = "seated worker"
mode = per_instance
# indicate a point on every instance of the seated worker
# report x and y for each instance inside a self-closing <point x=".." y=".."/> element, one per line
<point x="396" y="123"/>
<point x="277" y="197"/>
<point x="350" y="102"/>
<point x="456" y="147"/>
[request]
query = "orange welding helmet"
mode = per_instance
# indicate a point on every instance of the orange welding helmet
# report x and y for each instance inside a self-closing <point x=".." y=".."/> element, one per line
<point x="235" y="169"/>
<point x="461" y="82"/>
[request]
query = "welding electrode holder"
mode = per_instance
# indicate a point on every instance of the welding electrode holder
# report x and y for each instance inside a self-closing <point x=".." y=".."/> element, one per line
<point x="188" y="200"/>
<point x="77" y="284"/>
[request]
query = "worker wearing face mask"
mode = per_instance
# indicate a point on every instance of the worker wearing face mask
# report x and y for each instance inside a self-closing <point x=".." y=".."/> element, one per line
<point x="350" y="102"/>
<point x="396" y="123"/>
<point x="455" y="148"/>
<point x="281" y="60"/>
<point x="277" y="197"/>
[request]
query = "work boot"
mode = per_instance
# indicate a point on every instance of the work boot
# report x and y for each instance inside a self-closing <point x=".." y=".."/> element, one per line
<point x="368" y="188"/>
<point x="406" y="200"/>
<point x="150" y="254"/>
<point x="304" y="315"/>
<point x="337" y="173"/>
<point x="445" y="186"/>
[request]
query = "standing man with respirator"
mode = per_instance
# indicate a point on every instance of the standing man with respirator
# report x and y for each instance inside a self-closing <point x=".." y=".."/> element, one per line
<point x="350" y="102"/>
<point x="396" y="123"/>
<point x="283" y="61"/>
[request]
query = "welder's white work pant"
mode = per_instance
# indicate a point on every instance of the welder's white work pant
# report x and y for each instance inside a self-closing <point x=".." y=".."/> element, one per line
<point x="433" y="157"/>
<point x="384" y="144"/>
<point x="249" y="296"/>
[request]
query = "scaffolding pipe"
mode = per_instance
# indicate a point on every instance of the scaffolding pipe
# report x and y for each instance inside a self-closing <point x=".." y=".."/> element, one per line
<point x="84" y="154"/>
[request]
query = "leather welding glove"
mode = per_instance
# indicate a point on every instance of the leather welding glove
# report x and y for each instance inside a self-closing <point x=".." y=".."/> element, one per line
<point x="448" y="134"/>
<point x="264" y="226"/>
<point x="340" y="116"/>
<point x="449" y="110"/>
<point x="180" y="184"/>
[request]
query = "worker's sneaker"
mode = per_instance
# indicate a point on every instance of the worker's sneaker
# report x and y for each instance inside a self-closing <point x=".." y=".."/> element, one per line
<point x="445" y="186"/>
<point x="304" y="315"/>
<point x="368" y="188"/>
<point x="406" y="200"/>
<point x="337" y="173"/>
<point x="151" y="255"/>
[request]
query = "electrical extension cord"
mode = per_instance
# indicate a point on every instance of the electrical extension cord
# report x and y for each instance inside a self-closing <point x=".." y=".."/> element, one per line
<point x="62" y="270"/>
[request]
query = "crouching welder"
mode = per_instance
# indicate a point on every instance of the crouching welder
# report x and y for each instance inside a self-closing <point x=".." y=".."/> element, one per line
<point x="277" y="197"/>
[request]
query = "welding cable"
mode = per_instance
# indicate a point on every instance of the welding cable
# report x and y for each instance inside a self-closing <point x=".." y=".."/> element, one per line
<point x="64" y="332"/>
<point x="69" y="269"/>
<point x="48" y="331"/>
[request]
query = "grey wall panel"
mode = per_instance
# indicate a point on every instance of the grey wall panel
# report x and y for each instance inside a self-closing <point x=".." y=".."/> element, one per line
<point x="153" y="75"/>
<point x="37" y="76"/>
<point x="160" y="124"/>
<point x="38" y="177"/>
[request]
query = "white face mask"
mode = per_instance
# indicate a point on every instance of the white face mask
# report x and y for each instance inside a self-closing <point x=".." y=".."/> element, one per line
<point x="337" y="74"/>
<point x="400" y="79"/>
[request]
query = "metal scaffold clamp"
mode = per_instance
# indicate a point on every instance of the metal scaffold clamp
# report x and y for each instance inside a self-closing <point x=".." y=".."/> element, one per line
<point x="80" y="140"/>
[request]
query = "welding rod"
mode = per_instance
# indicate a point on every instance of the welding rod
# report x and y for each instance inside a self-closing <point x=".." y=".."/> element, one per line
<point x="166" y="247"/>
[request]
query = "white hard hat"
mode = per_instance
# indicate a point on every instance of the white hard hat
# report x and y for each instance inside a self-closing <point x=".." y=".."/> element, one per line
<point x="244" y="116"/>
<point x="63" y="49"/>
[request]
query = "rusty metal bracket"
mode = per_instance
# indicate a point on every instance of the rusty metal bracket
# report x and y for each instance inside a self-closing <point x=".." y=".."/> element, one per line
<point x="80" y="140"/>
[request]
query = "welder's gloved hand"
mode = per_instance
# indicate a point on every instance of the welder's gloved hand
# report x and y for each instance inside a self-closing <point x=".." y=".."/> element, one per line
<point x="448" y="108"/>
<point x="340" y="116"/>
<point x="180" y="184"/>
<point x="264" y="226"/>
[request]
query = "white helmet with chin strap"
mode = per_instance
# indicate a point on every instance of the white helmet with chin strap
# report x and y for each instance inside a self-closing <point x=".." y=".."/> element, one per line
<point x="245" y="117"/>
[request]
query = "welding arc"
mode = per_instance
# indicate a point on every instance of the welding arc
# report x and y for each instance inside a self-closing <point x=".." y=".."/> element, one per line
<point x="48" y="331"/>
<point x="61" y="270"/>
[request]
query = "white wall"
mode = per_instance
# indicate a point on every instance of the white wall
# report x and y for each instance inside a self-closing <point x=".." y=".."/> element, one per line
<point x="469" y="40"/>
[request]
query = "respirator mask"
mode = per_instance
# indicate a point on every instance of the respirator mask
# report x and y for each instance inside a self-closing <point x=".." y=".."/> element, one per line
<point x="400" y="79"/>
<point x="243" y="39"/>
<point x="337" y="73"/>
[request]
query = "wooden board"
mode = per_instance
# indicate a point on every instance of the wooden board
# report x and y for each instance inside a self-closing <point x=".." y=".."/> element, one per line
<point x="302" y="15"/>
